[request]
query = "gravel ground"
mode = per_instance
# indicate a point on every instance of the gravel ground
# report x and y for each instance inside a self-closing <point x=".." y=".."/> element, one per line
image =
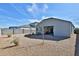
<point x="36" y="47"/>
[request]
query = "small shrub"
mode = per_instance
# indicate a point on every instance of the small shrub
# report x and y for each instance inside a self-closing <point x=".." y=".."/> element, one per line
<point x="27" y="35"/>
<point x="15" y="41"/>
<point x="76" y="31"/>
<point x="9" y="35"/>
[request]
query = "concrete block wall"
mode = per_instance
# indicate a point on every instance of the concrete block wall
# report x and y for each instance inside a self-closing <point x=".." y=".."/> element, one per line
<point x="7" y="31"/>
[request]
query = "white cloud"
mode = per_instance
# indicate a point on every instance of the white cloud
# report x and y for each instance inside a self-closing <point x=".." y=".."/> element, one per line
<point x="29" y="9"/>
<point x="33" y="20"/>
<point x="44" y="17"/>
<point x="34" y="7"/>
<point x="77" y="26"/>
<point x="63" y="18"/>
<point x="33" y="10"/>
<point x="45" y="8"/>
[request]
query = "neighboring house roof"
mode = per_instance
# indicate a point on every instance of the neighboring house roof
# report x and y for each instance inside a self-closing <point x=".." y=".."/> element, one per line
<point x="33" y="25"/>
<point x="56" y="19"/>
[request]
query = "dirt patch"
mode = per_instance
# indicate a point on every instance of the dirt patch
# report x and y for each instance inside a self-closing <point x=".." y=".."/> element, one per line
<point x="36" y="47"/>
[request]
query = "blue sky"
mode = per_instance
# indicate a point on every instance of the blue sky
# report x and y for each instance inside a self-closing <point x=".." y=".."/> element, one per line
<point x="15" y="14"/>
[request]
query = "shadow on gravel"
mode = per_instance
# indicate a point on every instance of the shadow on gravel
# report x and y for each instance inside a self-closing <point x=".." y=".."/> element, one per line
<point x="47" y="37"/>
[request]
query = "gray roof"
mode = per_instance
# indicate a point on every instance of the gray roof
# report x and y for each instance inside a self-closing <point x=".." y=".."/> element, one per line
<point x="56" y="19"/>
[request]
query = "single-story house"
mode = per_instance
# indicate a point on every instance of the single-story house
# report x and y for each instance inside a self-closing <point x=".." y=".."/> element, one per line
<point x="55" y="27"/>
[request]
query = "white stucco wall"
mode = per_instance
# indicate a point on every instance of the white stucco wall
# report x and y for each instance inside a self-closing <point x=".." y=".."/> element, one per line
<point x="6" y="31"/>
<point x="61" y="28"/>
<point x="0" y="32"/>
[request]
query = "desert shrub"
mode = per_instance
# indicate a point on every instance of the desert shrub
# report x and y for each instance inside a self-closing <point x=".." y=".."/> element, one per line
<point x="9" y="35"/>
<point x="76" y="31"/>
<point x="27" y="35"/>
<point x="15" y="41"/>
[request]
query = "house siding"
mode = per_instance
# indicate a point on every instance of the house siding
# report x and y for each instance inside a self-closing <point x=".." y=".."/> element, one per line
<point x="61" y="28"/>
